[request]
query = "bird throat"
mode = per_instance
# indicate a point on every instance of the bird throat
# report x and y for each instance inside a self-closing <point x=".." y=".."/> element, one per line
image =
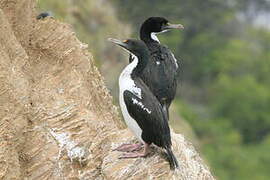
<point x="154" y="37"/>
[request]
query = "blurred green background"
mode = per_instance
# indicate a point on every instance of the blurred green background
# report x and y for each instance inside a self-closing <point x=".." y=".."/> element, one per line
<point x="223" y="98"/>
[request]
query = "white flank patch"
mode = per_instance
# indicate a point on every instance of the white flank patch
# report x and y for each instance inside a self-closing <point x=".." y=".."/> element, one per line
<point x="158" y="63"/>
<point x="175" y="60"/>
<point x="126" y="83"/>
<point x="135" y="101"/>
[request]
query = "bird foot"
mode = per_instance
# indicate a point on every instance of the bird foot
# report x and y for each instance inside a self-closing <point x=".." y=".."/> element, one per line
<point x="132" y="155"/>
<point x="129" y="147"/>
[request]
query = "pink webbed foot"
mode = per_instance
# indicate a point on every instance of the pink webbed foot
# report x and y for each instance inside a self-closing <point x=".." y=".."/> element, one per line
<point x="136" y="154"/>
<point x="132" y="155"/>
<point x="129" y="147"/>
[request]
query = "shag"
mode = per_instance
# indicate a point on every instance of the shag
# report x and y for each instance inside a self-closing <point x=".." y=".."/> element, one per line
<point x="43" y="15"/>
<point x="141" y="110"/>
<point x="160" y="74"/>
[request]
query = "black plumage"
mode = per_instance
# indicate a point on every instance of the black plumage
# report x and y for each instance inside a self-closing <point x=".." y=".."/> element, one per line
<point x="148" y="114"/>
<point x="160" y="74"/>
<point x="43" y="15"/>
<point x="139" y="105"/>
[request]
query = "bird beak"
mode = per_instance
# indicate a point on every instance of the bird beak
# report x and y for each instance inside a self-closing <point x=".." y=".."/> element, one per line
<point x="123" y="44"/>
<point x="173" y="26"/>
<point x="118" y="42"/>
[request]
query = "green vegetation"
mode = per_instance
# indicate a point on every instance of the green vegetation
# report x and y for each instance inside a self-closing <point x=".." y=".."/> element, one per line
<point x="224" y="90"/>
<point x="93" y="21"/>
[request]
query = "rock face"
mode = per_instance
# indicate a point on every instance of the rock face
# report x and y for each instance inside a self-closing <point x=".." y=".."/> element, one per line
<point x="57" y="120"/>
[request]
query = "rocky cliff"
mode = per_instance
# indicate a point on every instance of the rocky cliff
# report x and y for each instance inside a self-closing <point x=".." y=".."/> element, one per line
<point x="57" y="120"/>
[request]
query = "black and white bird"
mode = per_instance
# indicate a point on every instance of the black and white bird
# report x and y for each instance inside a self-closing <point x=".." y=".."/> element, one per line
<point x="160" y="74"/>
<point x="141" y="110"/>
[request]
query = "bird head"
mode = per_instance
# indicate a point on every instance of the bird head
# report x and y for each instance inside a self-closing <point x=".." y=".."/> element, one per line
<point x="159" y="25"/>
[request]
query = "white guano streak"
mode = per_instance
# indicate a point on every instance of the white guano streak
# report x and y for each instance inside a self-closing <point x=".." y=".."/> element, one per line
<point x="72" y="148"/>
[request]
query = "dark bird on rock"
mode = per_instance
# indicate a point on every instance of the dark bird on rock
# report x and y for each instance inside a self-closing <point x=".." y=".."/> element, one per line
<point x="44" y="15"/>
<point x="160" y="74"/>
<point x="141" y="109"/>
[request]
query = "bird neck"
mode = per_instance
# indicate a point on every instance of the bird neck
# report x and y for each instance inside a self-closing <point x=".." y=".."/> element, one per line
<point x="148" y="36"/>
<point x="140" y="63"/>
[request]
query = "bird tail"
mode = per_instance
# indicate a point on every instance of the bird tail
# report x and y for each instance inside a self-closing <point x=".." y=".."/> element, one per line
<point x="172" y="159"/>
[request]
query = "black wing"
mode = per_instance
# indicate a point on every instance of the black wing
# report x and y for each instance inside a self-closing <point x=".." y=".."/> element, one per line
<point x="148" y="113"/>
<point x="160" y="74"/>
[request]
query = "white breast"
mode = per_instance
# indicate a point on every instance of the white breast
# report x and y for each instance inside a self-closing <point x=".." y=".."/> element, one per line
<point x="126" y="83"/>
